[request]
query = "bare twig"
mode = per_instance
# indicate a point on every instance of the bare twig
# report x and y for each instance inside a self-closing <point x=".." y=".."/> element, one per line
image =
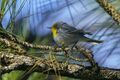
<point x="12" y="45"/>
<point x="110" y="10"/>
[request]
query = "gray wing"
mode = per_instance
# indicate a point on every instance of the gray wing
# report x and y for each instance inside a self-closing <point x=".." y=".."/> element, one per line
<point x="71" y="30"/>
<point x="66" y="26"/>
<point x="80" y="32"/>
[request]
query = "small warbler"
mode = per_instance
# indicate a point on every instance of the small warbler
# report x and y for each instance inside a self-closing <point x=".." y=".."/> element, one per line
<point x="65" y="35"/>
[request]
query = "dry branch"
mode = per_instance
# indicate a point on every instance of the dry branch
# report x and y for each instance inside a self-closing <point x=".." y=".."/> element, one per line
<point x="11" y="62"/>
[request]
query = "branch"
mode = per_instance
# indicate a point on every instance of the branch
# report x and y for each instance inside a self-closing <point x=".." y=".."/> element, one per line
<point x="110" y="10"/>
<point x="18" y="46"/>
<point x="18" y="59"/>
<point x="11" y="62"/>
<point x="18" y="49"/>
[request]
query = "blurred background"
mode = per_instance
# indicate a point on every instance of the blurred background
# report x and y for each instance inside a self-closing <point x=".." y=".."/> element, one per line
<point x="31" y="19"/>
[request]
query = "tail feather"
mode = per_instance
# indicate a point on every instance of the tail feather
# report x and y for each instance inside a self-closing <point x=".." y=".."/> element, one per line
<point x="92" y="40"/>
<point x="95" y="41"/>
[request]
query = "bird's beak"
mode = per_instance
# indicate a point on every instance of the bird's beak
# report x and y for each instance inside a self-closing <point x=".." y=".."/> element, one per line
<point x="49" y="27"/>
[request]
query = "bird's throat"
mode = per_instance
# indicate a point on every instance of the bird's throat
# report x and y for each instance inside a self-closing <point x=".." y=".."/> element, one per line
<point x="54" y="31"/>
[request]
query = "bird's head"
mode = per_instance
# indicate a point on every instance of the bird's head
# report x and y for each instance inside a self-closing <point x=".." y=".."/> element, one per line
<point x="57" y="27"/>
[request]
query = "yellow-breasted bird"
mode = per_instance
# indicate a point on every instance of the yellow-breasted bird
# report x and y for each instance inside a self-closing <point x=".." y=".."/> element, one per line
<point x="66" y="35"/>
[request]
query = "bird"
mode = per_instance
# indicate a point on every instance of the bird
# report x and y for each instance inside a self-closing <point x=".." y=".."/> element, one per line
<point x="66" y="35"/>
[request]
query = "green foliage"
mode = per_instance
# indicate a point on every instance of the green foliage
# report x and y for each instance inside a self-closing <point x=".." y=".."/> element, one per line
<point x="3" y="5"/>
<point x="14" y="75"/>
<point x="37" y="76"/>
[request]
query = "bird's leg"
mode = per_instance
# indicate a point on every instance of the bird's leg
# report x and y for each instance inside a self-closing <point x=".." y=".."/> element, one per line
<point x="55" y="47"/>
<point x="63" y="48"/>
<point x="74" y="45"/>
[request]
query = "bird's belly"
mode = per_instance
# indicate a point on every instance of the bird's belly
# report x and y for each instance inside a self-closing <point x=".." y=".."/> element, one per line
<point x="66" y="39"/>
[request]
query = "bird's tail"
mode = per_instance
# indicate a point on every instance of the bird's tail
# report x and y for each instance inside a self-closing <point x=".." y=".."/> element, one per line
<point x="96" y="42"/>
<point x="92" y="40"/>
